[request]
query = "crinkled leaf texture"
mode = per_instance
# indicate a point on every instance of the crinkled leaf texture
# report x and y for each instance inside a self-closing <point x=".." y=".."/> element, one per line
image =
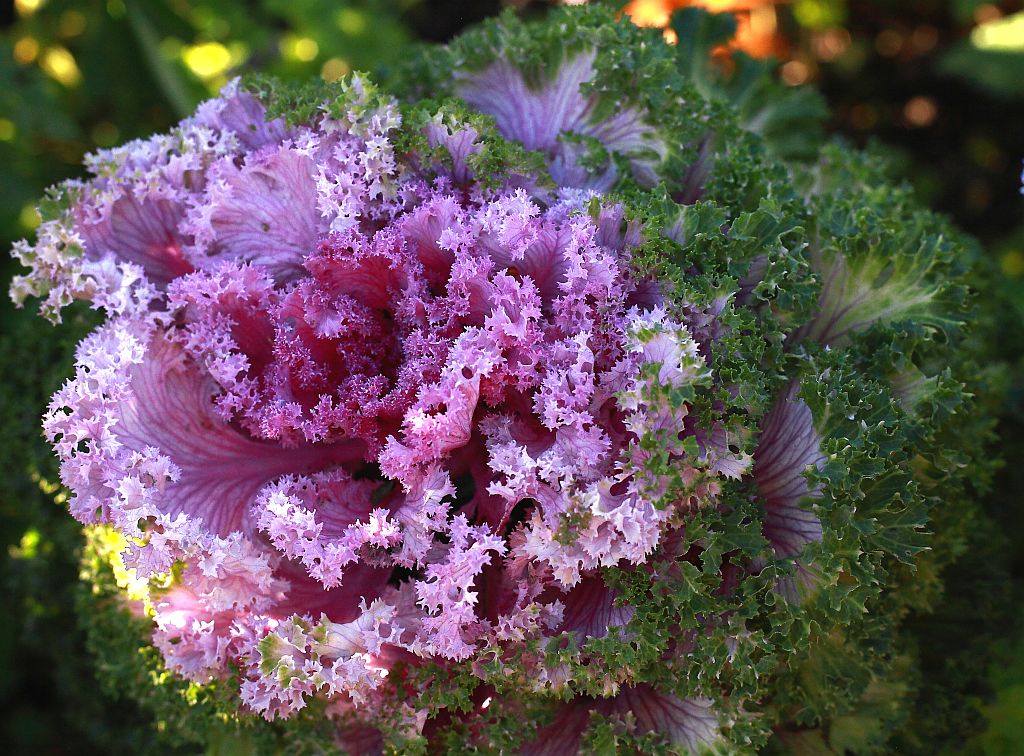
<point x="541" y="418"/>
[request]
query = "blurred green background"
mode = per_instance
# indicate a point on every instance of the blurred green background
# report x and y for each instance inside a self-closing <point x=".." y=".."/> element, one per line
<point x="938" y="84"/>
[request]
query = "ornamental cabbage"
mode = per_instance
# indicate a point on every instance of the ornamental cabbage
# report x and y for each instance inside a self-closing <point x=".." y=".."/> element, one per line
<point x="561" y="396"/>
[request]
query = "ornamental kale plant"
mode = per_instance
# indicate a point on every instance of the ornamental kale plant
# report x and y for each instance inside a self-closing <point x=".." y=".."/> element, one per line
<point x="563" y="395"/>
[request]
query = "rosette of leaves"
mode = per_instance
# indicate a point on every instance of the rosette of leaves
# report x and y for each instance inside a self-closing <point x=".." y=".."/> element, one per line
<point x="531" y="403"/>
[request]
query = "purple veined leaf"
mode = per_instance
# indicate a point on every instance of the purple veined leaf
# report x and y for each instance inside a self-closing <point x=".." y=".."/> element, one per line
<point x="264" y="212"/>
<point x="788" y="446"/>
<point x="544" y="115"/>
<point x="138" y="436"/>
<point x="689" y="725"/>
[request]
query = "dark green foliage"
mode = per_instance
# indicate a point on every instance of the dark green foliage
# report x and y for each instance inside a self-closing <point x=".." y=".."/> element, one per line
<point x="791" y="121"/>
<point x="45" y="670"/>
